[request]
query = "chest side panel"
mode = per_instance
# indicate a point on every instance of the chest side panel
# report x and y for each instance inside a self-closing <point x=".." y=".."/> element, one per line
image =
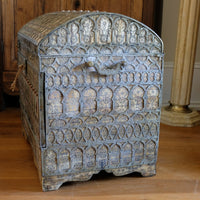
<point x="28" y="85"/>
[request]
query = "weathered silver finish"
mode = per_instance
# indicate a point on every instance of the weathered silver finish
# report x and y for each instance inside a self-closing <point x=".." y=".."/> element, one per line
<point x="90" y="94"/>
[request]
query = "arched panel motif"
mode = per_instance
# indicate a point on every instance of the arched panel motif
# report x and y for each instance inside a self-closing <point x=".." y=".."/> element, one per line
<point x="89" y="101"/>
<point x="102" y="157"/>
<point x="62" y="39"/>
<point x="72" y="102"/>
<point x="64" y="160"/>
<point x="87" y="31"/>
<point x="121" y="99"/>
<point x="55" y="102"/>
<point x="133" y="38"/>
<point x="150" y="151"/>
<point x="105" y="100"/>
<point x="90" y="157"/>
<point x="152" y="97"/>
<point x="104" y="30"/>
<point x="119" y="31"/>
<point x="50" y="162"/>
<point x="139" y="152"/>
<point x="137" y="99"/>
<point x="74" y="37"/>
<point x="114" y="155"/>
<point x="126" y="154"/>
<point x="77" y="158"/>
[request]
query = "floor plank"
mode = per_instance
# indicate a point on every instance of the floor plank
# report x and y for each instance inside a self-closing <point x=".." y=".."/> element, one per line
<point x="178" y="169"/>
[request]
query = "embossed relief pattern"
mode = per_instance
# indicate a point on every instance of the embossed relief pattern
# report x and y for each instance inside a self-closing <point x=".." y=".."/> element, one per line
<point x="77" y="103"/>
<point x="79" y="91"/>
<point x="98" y="29"/>
<point x="104" y="156"/>
<point x="96" y="121"/>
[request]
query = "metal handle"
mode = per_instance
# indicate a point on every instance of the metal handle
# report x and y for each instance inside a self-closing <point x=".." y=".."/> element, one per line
<point x="111" y="70"/>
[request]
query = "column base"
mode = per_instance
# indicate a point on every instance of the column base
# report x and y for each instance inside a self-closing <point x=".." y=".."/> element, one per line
<point x="182" y="119"/>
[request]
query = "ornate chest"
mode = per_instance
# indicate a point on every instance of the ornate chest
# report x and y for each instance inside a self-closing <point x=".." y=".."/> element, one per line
<point x="90" y="93"/>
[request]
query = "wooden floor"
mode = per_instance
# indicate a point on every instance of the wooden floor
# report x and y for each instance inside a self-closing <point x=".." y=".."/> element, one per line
<point x="178" y="170"/>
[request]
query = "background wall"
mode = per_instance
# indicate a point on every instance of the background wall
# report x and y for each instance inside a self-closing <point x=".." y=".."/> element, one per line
<point x="169" y="31"/>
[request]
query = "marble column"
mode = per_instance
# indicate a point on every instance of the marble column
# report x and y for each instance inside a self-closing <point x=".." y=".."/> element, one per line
<point x="178" y="113"/>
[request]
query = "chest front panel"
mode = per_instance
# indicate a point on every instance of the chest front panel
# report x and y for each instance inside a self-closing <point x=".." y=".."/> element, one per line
<point x="85" y="109"/>
<point x="103" y="82"/>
